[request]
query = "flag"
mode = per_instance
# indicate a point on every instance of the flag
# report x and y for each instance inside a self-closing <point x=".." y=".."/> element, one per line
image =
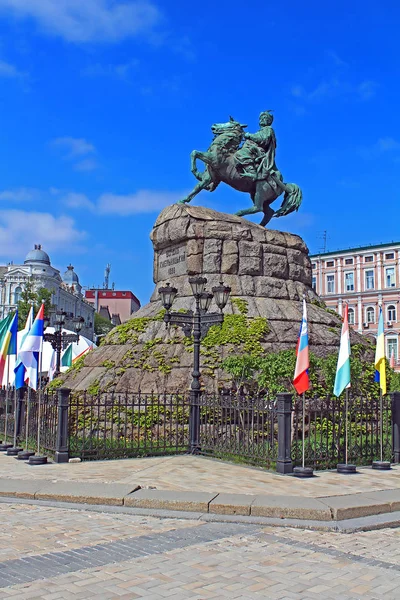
<point x="85" y="351"/>
<point x="31" y="349"/>
<point x="53" y="365"/>
<point x="66" y="360"/>
<point x="342" y="379"/>
<point x="19" y="368"/>
<point x="301" y="381"/>
<point x="392" y="359"/>
<point x="380" y="359"/>
<point x="4" y="327"/>
<point x="9" y="343"/>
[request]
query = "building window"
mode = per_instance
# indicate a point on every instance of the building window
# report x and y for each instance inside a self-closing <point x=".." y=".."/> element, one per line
<point x="390" y="277"/>
<point x="369" y="259"/>
<point x="314" y="283"/>
<point x="330" y="284"/>
<point x="330" y="263"/>
<point x="351" y="316"/>
<point x="349" y="282"/>
<point x="313" y="265"/>
<point x="370" y="314"/>
<point x="348" y="261"/>
<point x="391" y="312"/>
<point x="369" y="280"/>
<point x="389" y="256"/>
<point x="392" y="348"/>
<point x="17" y="294"/>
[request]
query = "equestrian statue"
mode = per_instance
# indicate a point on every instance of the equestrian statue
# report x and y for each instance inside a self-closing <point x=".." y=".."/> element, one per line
<point x="248" y="168"/>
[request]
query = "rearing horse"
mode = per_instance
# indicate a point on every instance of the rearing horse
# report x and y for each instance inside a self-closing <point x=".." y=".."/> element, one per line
<point x="221" y="160"/>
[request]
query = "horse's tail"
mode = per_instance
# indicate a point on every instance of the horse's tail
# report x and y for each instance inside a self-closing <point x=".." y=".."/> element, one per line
<point x="291" y="200"/>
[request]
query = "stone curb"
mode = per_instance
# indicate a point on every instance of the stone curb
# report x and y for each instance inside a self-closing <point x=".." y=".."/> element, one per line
<point x="322" y="509"/>
<point x="349" y="526"/>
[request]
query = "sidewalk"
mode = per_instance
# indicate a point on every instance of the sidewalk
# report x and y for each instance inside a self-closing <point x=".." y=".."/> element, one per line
<point x="205" y="486"/>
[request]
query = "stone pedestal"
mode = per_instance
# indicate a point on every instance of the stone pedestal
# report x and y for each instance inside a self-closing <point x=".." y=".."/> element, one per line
<point x="268" y="271"/>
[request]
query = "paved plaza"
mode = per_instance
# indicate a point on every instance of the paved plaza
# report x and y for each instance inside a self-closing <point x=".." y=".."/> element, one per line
<point x="196" y="473"/>
<point x="53" y="553"/>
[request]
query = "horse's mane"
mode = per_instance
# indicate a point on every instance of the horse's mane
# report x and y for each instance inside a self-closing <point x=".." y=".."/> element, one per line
<point x="227" y="142"/>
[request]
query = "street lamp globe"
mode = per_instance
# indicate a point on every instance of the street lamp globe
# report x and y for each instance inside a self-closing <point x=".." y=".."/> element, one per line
<point x="221" y="294"/>
<point x="78" y="324"/>
<point x="198" y="285"/>
<point x="205" y="301"/>
<point x="60" y="320"/>
<point x="167" y="294"/>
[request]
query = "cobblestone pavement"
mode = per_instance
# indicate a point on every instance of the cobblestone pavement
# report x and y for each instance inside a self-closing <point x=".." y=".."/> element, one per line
<point x="52" y="553"/>
<point x="205" y="475"/>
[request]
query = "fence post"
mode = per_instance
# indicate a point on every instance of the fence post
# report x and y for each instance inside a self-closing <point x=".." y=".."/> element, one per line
<point x="62" y="450"/>
<point x="284" y="463"/>
<point x="395" y="397"/>
<point x="20" y="411"/>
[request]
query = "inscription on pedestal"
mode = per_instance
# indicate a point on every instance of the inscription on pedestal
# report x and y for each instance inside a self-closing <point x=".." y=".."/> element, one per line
<point x="172" y="262"/>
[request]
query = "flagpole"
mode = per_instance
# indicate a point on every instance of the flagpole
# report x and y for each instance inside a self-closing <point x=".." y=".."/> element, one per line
<point x="39" y="400"/>
<point x="381" y="422"/>
<point x="7" y="398"/>
<point x="15" y="417"/>
<point x="301" y="384"/>
<point x="346" y="426"/>
<point x="303" y="428"/>
<point x="28" y="407"/>
<point x="380" y="376"/>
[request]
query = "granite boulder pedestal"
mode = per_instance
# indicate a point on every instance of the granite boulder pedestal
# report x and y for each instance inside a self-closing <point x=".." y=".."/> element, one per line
<point x="268" y="271"/>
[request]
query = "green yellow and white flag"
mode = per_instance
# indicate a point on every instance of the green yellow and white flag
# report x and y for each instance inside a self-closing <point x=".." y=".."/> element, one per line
<point x="66" y="360"/>
<point x="380" y="358"/>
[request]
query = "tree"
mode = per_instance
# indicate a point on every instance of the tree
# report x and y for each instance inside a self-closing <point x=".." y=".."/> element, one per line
<point x="102" y="325"/>
<point x="27" y="299"/>
<point x="31" y="298"/>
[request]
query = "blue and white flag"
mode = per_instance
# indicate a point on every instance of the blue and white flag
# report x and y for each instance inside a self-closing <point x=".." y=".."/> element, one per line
<point x="19" y="368"/>
<point x="32" y="348"/>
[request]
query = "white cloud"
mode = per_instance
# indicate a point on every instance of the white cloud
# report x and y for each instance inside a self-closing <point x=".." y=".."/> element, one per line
<point x="82" y="21"/>
<point x="119" y="71"/>
<point x="9" y="70"/>
<point x="334" y="88"/>
<point x="143" y="201"/>
<point x="74" y="146"/>
<point x="336" y="59"/>
<point x="383" y="145"/>
<point x="75" y="200"/>
<point x="387" y="144"/>
<point x="21" y="194"/>
<point x="89" y="164"/>
<point x="22" y="227"/>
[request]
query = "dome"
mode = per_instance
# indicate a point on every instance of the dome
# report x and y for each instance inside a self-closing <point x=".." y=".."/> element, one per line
<point x="70" y="277"/>
<point x="37" y="255"/>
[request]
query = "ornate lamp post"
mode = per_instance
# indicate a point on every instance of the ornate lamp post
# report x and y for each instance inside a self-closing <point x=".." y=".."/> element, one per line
<point x="197" y="323"/>
<point x="60" y="340"/>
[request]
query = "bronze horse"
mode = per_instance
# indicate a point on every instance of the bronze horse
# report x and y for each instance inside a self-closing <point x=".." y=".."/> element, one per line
<point x="222" y="161"/>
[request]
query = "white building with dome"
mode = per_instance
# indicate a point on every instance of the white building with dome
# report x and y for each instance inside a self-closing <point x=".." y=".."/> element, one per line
<point x="66" y="289"/>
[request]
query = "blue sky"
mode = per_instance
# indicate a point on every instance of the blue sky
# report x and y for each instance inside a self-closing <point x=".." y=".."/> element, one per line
<point x="102" y="101"/>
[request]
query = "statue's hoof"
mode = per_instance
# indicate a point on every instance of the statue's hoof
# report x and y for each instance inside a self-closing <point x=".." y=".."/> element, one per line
<point x="182" y="201"/>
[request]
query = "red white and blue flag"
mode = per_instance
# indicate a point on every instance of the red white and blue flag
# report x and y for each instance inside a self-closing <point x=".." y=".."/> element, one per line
<point x="31" y="348"/>
<point x="301" y="380"/>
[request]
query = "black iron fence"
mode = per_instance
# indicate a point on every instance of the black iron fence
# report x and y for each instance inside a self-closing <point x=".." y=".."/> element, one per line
<point x="117" y="425"/>
<point x="22" y="412"/>
<point x="254" y="430"/>
<point x="324" y="431"/>
<point x="238" y="427"/>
